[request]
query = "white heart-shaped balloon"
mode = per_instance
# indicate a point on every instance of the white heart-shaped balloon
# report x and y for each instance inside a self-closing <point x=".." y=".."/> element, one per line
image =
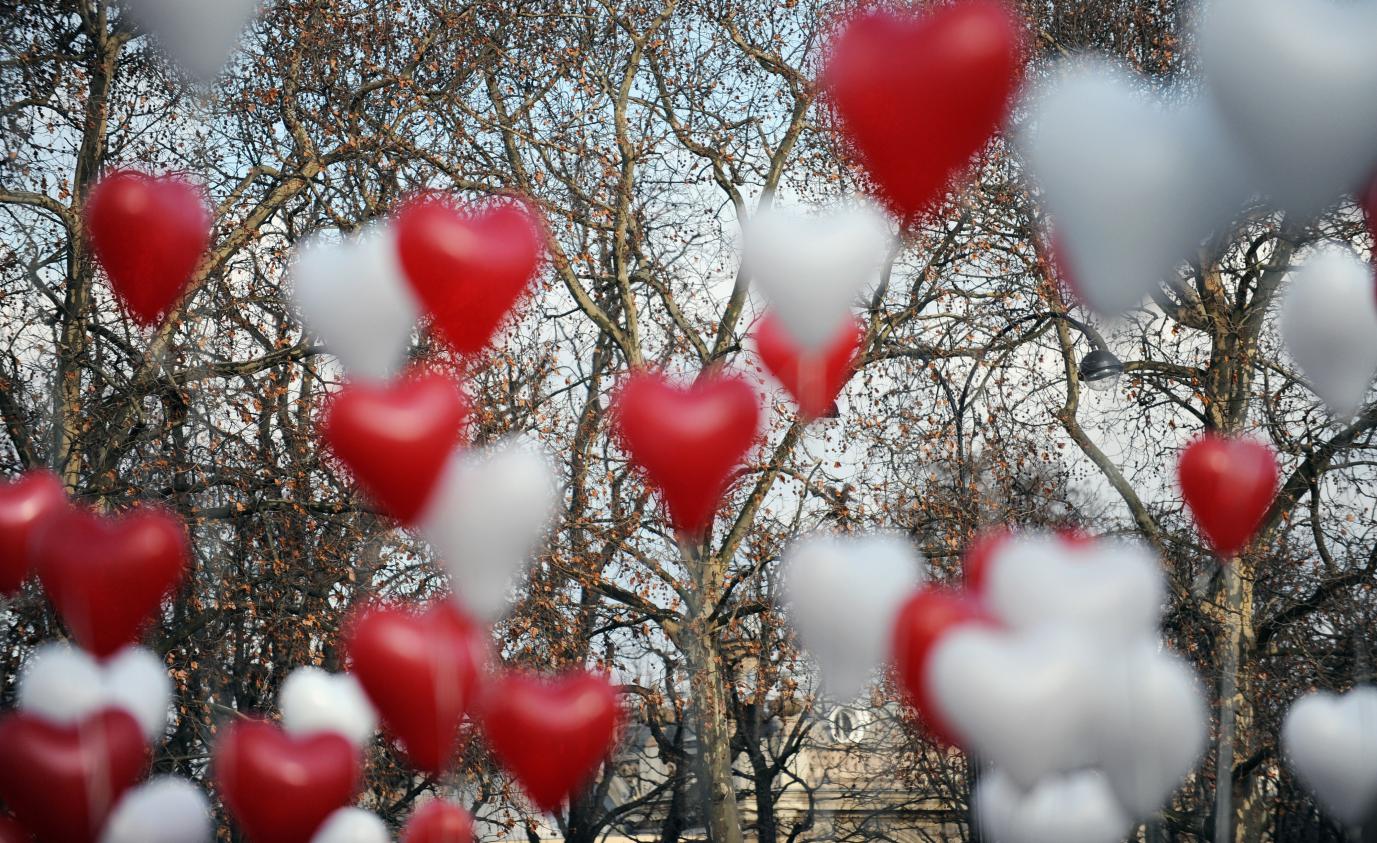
<point x="353" y="295"/>
<point x="1331" y="743"/>
<point x="1328" y="321"/>
<point x="314" y="701"/>
<point x="1132" y="186"/>
<point x="486" y="519"/>
<point x="842" y="595"/>
<point x="1018" y="699"/>
<point x="352" y="825"/>
<point x="1293" y="80"/>
<point x="1075" y="808"/>
<point x="813" y="269"/>
<point x="199" y="35"/>
<point x="162" y="810"/>
<point x="1111" y="587"/>
<point x="63" y="684"/>
<point x="1149" y="726"/>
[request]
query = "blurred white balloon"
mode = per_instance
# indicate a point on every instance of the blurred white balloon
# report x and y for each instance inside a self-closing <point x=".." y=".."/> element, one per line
<point x="352" y="294"/>
<point x="486" y="519"/>
<point x="1328" y="321"/>
<point x="1075" y="808"/>
<point x="842" y="595"/>
<point x="63" y="684"/>
<point x="199" y="35"/>
<point x="314" y="701"/>
<point x="1293" y="80"/>
<point x="813" y="269"/>
<point x="352" y="825"/>
<point x="1331" y="743"/>
<point x="162" y="810"/>
<point x="1132" y="186"/>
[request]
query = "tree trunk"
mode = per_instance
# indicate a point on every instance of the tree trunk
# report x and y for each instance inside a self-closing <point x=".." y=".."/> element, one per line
<point x="714" y="739"/>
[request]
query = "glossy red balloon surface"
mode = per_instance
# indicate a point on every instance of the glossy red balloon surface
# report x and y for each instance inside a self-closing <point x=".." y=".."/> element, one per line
<point x="439" y="822"/>
<point x="62" y="781"/>
<point x="107" y="576"/>
<point x="1228" y="485"/>
<point x="421" y="670"/>
<point x="929" y="615"/>
<point x="149" y="235"/>
<point x="280" y="788"/>
<point x="814" y="380"/>
<point x="551" y="735"/>
<point x="918" y="95"/>
<point x="468" y="266"/>
<point x="687" y="439"/>
<point x="396" y="438"/>
<point x="24" y="505"/>
<point x="12" y="832"/>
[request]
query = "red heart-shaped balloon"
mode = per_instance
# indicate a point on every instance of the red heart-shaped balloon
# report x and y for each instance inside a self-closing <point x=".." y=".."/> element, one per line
<point x="1228" y="485"/>
<point x="814" y="380"/>
<point x="929" y="615"/>
<point x="439" y="822"/>
<point x="24" y="505"/>
<point x="551" y="735"/>
<point x="420" y="669"/>
<point x="108" y="576"/>
<point x="61" y="781"/>
<point x="149" y="233"/>
<point x="918" y="95"/>
<point x="468" y="266"/>
<point x="396" y="438"/>
<point x="280" y="788"/>
<point x="688" y="440"/>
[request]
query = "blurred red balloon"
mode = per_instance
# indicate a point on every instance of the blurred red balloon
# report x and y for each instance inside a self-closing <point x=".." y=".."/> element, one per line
<point x="397" y="438"/>
<point x="439" y="822"/>
<point x="12" y="832"/>
<point x="929" y="615"/>
<point x="688" y="440"/>
<point x="107" y="576"/>
<point x="1228" y="485"/>
<point x="918" y="95"/>
<point x="149" y="234"/>
<point x="551" y="735"/>
<point x="420" y="669"/>
<point x="24" y="505"/>
<point x="61" y="781"/>
<point x="814" y="380"/>
<point x="468" y="266"/>
<point x="281" y="788"/>
<point x="975" y="562"/>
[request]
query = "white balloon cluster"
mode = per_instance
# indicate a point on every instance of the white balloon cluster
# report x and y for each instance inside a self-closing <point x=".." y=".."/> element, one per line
<point x="1331" y="743"/>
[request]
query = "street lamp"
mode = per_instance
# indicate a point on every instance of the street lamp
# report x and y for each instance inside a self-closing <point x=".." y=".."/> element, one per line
<point x="1100" y="370"/>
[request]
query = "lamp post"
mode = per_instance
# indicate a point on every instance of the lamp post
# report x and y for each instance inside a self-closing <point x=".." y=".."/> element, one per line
<point x="1100" y="370"/>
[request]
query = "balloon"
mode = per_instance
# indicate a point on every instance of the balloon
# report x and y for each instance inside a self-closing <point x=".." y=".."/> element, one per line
<point x="919" y="95"/>
<point x="1113" y="166"/>
<point x="396" y="438"/>
<point x="25" y="504"/>
<point x="352" y="825"/>
<point x="198" y="35"/>
<point x="813" y="379"/>
<point x="107" y="576"/>
<point x="975" y="562"/>
<point x="353" y="295"/>
<point x="813" y="270"/>
<point x="486" y="518"/>
<point x="1293" y="80"/>
<point x="1328" y="321"/>
<point x="552" y="735"/>
<point x="12" y="832"/>
<point x="929" y="616"/>
<point x="1228" y="485"/>
<point x="163" y="810"/>
<point x="1075" y="808"/>
<point x="149" y="234"/>
<point x="62" y="780"/>
<point x="420" y="669"/>
<point x="843" y="594"/>
<point x="688" y="440"/>
<point x="281" y="788"/>
<point x="438" y="822"/>
<point x="1331" y="742"/>
<point x="315" y="702"/>
<point x="468" y="266"/>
